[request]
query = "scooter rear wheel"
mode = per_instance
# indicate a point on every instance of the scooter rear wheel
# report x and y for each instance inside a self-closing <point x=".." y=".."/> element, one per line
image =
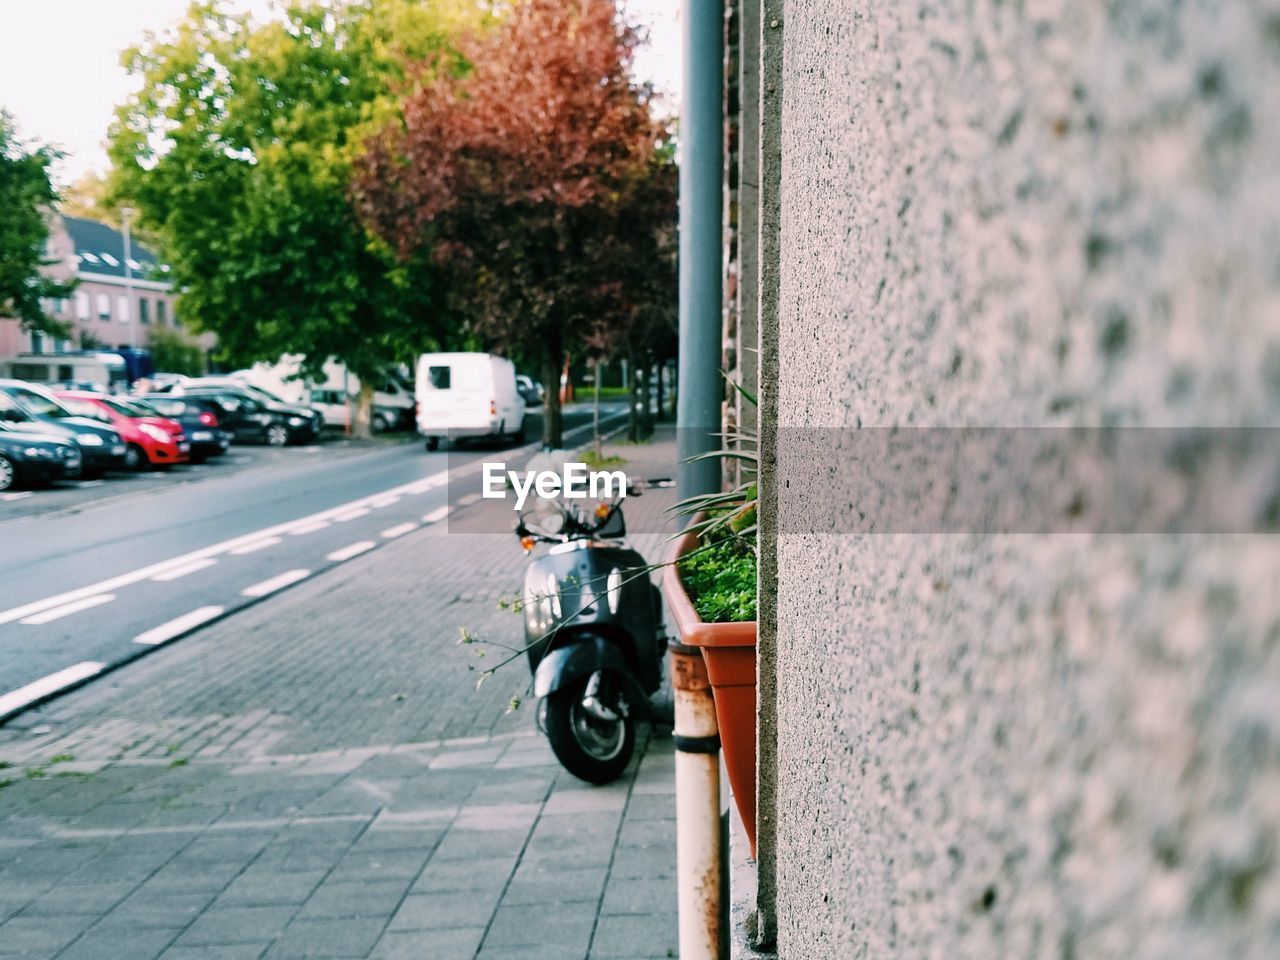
<point x="593" y="750"/>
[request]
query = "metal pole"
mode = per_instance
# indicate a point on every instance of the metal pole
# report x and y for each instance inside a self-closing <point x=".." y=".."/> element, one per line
<point x="699" y="865"/>
<point x="701" y="225"/>
<point x="126" y="213"/>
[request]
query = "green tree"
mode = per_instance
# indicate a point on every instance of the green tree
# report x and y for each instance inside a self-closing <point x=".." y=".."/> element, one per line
<point x="26" y="198"/>
<point x="172" y="351"/>
<point x="238" y="152"/>
<point x="516" y="174"/>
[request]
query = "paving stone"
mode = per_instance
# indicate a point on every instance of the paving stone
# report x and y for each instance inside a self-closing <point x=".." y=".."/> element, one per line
<point x="635" y="935"/>
<point x="535" y="926"/>
<point x="305" y="939"/>
<point x="86" y="898"/>
<point x="357" y="899"/>
<point x="380" y="864"/>
<point x="115" y="944"/>
<point x="437" y="910"/>
<point x="640" y="895"/>
<point x="237" y="951"/>
<point x="463" y="875"/>
<point x="236" y="925"/>
<point x="36" y="936"/>
<point x="479" y="844"/>
<point x="142" y="911"/>
<point x="537" y="884"/>
<point x="457" y="943"/>
<point x="264" y="886"/>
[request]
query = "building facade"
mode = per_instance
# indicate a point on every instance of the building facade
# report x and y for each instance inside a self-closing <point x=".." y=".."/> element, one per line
<point x="119" y="300"/>
<point x="1048" y="727"/>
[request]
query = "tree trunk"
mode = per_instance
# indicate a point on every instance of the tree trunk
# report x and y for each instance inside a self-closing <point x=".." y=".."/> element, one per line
<point x="633" y="425"/>
<point x="362" y="415"/>
<point x="552" y="358"/>
<point x="595" y="412"/>
<point x="661" y="369"/>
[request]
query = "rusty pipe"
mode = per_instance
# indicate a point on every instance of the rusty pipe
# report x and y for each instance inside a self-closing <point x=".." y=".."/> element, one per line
<point x="699" y="866"/>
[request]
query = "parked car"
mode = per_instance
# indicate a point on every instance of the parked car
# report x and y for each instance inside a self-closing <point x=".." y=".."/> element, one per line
<point x="252" y="420"/>
<point x="530" y="390"/>
<point x="153" y="440"/>
<point x="336" y="409"/>
<point x="200" y="419"/>
<point x="36" y="410"/>
<point x="468" y="395"/>
<point x="35" y="459"/>
<point x="302" y="424"/>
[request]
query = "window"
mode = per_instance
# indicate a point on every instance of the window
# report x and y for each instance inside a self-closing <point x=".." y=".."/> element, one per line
<point x="162" y="308"/>
<point x="104" y="307"/>
<point x="37" y="346"/>
<point x="144" y="310"/>
<point x="439" y="377"/>
<point x="122" y="308"/>
<point x="82" y="306"/>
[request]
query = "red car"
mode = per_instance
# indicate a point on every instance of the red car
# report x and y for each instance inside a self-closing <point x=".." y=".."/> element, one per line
<point x="152" y="441"/>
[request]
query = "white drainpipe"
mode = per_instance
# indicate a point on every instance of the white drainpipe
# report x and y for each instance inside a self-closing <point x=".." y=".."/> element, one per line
<point x="698" y="857"/>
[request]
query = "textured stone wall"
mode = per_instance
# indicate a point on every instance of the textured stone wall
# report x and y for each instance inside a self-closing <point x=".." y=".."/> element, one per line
<point x="1048" y="212"/>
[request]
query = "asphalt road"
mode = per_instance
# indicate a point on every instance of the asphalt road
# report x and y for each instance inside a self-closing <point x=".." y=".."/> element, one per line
<point x="113" y="571"/>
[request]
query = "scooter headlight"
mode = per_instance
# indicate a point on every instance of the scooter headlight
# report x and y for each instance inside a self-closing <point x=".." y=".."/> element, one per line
<point x="614" y="586"/>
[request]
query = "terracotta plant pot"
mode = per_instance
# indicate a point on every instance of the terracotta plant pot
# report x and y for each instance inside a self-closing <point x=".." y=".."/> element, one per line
<point x="729" y="650"/>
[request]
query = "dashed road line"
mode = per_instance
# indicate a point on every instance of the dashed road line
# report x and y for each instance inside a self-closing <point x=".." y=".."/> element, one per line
<point x="468" y="500"/>
<point x="275" y="583"/>
<point x="178" y="572"/>
<point x="15" y="700"/>
<point x="436" y="515"/>
<point x="309" y="528"/>
<point x="22" y="495"/>
<point x="399" y="530"/>
<point x="352" y="515"/>
<point x="178" y="626"/>
<point x="384" y="501"/>
<point x="57" y="613"/>
<point x="354" y="550"/>
<point x="255" y="546"/>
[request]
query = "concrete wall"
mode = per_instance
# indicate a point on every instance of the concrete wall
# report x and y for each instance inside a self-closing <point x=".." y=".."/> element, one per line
<point x="1036" y="213"/>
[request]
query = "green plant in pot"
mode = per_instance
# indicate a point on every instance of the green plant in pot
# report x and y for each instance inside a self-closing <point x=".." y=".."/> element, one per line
<point x="710" y="588"/>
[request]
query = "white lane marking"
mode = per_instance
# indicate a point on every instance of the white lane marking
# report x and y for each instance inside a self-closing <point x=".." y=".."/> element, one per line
<point x="469" y="499"/>
<point x="400" y="531"/>
<point x="177" y="572"/>
<point x="351" y="515"/>
<point x="86" y="484"/>
<point x="436" y="515"/>
<point x="255" y="546"/>
<point x="57" y="613"/>
<point x="291" y="526"/>
<point x="275" y="583"/>
<point x="309" y="528"/>
<point x="16" y="496"/>
<point x="16" y="699"/>
<point x="354" y="550"/>
<point x="384" y="501"/>
<point x="177" y="626"/>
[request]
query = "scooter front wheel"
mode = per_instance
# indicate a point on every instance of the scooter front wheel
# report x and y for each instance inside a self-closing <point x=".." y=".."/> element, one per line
<point x="589" y="747"/>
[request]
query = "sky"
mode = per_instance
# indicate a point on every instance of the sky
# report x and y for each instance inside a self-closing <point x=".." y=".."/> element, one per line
<point x="60" y="73"/>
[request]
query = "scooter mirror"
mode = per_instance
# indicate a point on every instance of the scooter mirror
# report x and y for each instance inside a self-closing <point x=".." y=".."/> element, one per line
<point x="550" y="523"/>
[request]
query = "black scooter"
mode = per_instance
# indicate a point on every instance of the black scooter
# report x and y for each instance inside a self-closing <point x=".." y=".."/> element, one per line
<point x="593" y="629"/>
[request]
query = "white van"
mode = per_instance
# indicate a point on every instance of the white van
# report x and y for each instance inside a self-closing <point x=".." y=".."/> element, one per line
<point x="468" y="395"/>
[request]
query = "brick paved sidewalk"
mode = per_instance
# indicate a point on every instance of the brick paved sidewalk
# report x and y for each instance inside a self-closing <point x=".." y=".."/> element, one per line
<point x="317" y="776"/>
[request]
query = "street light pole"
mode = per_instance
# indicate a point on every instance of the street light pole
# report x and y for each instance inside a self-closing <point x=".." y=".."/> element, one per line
<point x="126" y="214"/>
<point x="701" y="226"/>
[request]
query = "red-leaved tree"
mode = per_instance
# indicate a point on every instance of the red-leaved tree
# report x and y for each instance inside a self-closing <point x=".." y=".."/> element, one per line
<point x="517" y="175"/>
